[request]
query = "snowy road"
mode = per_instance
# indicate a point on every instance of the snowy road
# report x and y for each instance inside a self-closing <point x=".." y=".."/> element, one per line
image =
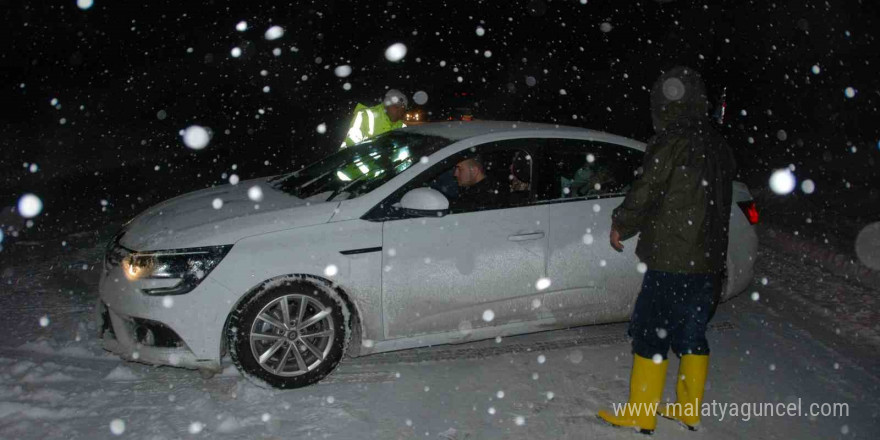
<point x="55" y="382"/>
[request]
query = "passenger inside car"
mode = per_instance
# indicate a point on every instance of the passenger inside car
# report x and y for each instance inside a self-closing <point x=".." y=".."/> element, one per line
<point x="520" y="177"/>
<point x="592" y="178"/>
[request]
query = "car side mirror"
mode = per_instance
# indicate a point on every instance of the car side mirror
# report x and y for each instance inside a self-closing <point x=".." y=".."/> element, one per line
<point x="424" y="202"/>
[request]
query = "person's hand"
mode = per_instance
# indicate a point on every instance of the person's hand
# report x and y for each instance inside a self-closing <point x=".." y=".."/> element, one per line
<point x="615" y="239"/>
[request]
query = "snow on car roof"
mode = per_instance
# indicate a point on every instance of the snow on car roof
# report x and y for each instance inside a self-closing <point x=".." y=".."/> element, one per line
<point x="458" y="130"/>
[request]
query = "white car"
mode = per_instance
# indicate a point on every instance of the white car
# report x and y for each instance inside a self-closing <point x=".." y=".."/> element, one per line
<point x="369" y="251"/>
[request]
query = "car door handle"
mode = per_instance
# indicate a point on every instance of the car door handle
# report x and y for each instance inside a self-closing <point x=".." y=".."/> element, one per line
<point x="526" y="237"/>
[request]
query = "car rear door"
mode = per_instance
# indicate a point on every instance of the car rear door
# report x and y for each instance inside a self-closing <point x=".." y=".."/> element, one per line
<point x="583" y="181"/>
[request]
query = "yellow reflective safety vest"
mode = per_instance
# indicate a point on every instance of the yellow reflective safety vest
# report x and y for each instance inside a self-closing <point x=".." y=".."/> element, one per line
<point x="368" y="122"/>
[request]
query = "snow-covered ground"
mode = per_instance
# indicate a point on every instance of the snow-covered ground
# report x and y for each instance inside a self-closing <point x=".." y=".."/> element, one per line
<point x="806" y="335"/>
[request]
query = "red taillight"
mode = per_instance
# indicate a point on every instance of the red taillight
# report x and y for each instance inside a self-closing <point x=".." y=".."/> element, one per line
<point x="750" y="209"/>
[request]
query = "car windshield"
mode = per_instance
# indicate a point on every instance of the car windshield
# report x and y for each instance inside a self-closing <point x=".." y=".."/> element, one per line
<point x="359" y="169"/>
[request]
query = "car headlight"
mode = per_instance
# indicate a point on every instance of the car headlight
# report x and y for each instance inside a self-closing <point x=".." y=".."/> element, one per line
<point x="186" y="266"/>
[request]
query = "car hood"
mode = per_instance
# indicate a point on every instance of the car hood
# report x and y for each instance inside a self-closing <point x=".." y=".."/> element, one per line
<point x="190" y="220"/>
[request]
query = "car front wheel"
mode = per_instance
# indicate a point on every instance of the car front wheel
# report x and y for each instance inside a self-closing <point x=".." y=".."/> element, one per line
<point x="290" y="335"/>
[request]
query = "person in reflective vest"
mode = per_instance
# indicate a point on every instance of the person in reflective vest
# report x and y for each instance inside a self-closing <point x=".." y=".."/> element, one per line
<point x="368" y="122"/>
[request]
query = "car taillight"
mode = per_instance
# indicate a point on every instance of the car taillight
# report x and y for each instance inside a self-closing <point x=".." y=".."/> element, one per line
<point x="750" y="209"/>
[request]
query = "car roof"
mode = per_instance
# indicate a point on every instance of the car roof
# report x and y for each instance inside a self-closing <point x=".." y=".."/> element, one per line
<point x="459" y="130"/>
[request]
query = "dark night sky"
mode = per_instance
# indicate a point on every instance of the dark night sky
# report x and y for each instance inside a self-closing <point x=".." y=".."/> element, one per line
<point x="115" y="66"/>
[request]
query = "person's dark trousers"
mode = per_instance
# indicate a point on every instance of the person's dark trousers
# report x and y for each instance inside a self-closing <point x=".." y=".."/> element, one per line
<point x="672" y="310"/>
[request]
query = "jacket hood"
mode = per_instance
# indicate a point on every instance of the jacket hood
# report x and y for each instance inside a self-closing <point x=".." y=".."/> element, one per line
<point x="679" y="93"/>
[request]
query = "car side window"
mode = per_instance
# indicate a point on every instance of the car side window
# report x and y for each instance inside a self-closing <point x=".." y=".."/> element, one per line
<point x="572" y="168"/>
<point x="507" y="167"/>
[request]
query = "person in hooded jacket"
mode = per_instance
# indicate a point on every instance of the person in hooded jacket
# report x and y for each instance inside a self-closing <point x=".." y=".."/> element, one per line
<point x="680" y="207"/>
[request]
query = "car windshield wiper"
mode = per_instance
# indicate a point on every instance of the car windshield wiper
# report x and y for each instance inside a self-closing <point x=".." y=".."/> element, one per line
<point x="346" y="187"/>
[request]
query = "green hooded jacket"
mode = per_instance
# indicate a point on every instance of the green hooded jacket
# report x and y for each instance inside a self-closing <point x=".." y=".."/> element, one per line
<point x="680" y="205"/>
<point x="368" y="122"/>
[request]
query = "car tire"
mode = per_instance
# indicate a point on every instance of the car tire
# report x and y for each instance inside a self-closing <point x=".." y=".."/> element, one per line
<point x="294" y="349"/>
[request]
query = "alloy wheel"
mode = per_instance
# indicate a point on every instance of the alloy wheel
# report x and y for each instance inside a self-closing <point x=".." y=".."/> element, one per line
<point x="292" y="335"/>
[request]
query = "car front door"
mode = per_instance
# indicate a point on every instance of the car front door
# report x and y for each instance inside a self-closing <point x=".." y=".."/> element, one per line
<point x="475" y="267"/>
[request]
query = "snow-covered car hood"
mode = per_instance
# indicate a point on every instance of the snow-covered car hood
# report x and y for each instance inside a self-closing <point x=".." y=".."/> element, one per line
<point x="191" y="220"/>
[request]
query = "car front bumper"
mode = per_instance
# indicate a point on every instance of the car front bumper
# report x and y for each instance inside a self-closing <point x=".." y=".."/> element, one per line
<point x="146" y="341"/>
<point x="182" y="330"/>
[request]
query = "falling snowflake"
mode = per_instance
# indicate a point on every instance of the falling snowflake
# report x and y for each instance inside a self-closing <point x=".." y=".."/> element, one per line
<point x="196" y="427"/>
<point x="322" y="128"/>
<point x="808" y="186"/>
<point x="255" y="193"/>
<point x="117" y="426"/>
<point x="488" y="315"/>
<point x="241" y="26"/>
<point x="642" y="267"/>
<point x="342" y="71"/>
<point x="86" y="4"/>
<point x="331" y="270"/>
<point x="782" y="181"/>
<point x="274" y="33"/>
<point x="542" y="283"/>
<point x="29" y="206"/>
<point x="196" y="137"/>
<point x="420" y="97"/>
<point x="850" y="92"/>
<point x="235" y="52"/>
<point x="44" y="321"/>
<point x="167" y="302"/>
<point x="395" y="52"/>
<point x="605" y="27"/>
<point x="217" y="203"/>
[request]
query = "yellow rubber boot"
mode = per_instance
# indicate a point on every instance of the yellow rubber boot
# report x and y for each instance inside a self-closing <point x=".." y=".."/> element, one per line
<point x="645" y="391"/>
<point x="689" y="388"/>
